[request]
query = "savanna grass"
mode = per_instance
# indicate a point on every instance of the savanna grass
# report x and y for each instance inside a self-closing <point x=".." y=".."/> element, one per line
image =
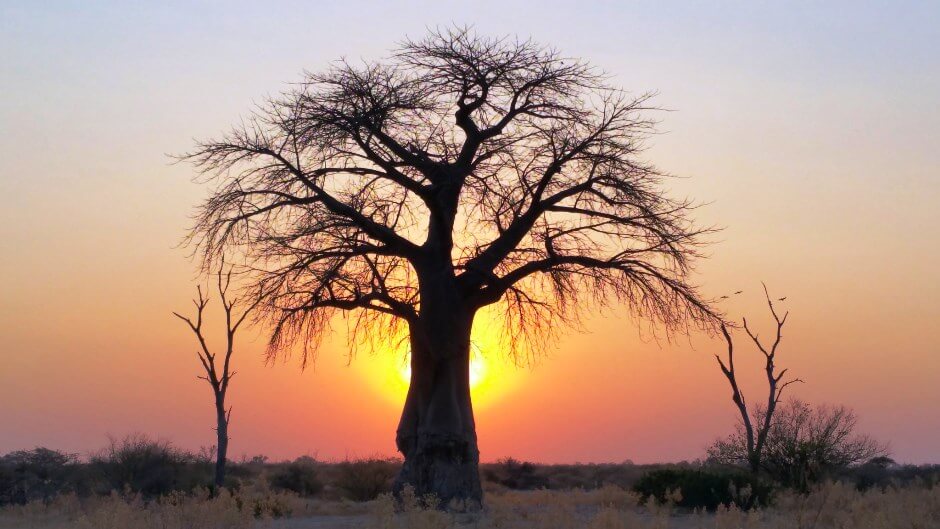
<point x="830" y="506"/>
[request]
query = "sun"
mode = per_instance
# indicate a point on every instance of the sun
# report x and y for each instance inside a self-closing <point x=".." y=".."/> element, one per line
<point x="478" y="368"/>
<point x="492" y="374"/>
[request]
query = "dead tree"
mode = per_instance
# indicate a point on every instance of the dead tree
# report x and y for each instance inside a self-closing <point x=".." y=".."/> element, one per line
<point x="748" y="445"/>
<point x="218" y="370"/>
<point x="462" y="172"/>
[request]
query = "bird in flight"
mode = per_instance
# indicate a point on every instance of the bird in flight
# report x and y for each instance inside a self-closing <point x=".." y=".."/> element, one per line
<point x="784" y="298"/>
<point x="738" y="292"/>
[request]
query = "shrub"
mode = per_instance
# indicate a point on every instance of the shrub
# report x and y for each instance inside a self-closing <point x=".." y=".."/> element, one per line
<point x="591" y="476"/>
<point x="38" y="474"/>
<point x="150" y="467"/>
<point x="366" y="479"/>
<point x="805" y="445"/>
<point x="882" y="473"/>
<point x="301" y="477"/>
<point x="513" y="474"/>
<point x="701" y="488"/>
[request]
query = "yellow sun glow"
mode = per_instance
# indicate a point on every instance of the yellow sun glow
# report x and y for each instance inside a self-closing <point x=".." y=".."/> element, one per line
<point x="492" y="375"/>
<point x="477" y="370"/>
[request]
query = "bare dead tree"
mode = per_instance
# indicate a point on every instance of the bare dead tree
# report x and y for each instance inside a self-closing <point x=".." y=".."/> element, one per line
<point x="753" y="438"/>
<point x="461" y="172"/>
<point x="218" y="370"/>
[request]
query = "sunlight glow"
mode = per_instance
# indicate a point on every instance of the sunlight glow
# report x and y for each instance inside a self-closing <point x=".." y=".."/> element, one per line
<point x="492" y="374"/>
<point x="477" y="370"/>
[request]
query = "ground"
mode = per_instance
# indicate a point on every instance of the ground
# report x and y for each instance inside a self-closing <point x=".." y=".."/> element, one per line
<point x="829" y="507"/>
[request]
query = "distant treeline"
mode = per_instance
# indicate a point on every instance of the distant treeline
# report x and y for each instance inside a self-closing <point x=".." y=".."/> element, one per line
<point x="153" y="468"/>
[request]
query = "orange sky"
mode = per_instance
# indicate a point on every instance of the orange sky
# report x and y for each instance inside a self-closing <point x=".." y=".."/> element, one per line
<point x="810" y="134"/>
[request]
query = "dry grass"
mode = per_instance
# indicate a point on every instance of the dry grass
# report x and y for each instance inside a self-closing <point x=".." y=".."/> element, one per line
<point x="833" y="506"/>
<point x="829" y="507"/>
<point x="127" y="512"/>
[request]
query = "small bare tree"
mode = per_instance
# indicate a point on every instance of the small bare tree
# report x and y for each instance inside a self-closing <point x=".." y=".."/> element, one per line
<point x="757" y="424"/>
<point x="218" y="370"/>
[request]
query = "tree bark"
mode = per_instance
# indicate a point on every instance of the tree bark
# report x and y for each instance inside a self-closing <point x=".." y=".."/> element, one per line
<point x="221" y="451"/>
<point x="437" y="432"/>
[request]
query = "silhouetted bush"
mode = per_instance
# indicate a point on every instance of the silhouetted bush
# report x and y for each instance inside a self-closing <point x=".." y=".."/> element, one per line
<point x="883" y="472"/>
<point x="701" y="488"/>
<point x="245" y="470"/>
<point x="38" y="475"/>
<point x="301" y="477"/>
<point x="593" y="476"/>
<point x="366" y="479"/>
<point x="514" y="474"/>
<point x="150" y="467"/>
<point x="805" y="445"/>
<point x="510" y="473"/>
<point x="876" y="473"/>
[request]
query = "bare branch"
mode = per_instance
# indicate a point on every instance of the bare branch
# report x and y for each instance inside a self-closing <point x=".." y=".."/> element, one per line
<point x="501" y="164"/>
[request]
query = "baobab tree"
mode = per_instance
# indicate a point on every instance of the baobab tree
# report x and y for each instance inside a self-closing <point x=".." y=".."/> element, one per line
<point x="459" y="173"/>
<point x="218" y="369"/>
<point x="748" y="444"/>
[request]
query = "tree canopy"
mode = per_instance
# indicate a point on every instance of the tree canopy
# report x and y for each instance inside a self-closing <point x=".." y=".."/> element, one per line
<point x="497" y="160"/>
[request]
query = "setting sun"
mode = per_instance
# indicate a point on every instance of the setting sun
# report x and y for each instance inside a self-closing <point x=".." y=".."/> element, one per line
<point x="477" y="371"/>
<point x="494" y="373"/>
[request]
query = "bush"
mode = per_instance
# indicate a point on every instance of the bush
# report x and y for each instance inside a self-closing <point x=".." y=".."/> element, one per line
<point x="301" y="477"/>
<point x="37" y="475"/>
<point x="805" y="445"/>
<point x="882" y="473"/>
<point x="150" y="467"/>
<point x="513" y="474"/>
<point x="510" y="473"/>
<point x="700" y="488"/>
<point x="366" y="479"/>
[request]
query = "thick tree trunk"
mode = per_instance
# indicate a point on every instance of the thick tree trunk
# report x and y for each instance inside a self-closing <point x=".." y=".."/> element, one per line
<point x="437" y="433"/>
<point x="221" y="451"/>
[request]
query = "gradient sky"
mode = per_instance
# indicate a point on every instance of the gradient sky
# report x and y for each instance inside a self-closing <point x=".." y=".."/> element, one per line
<point x="810" y="128"/>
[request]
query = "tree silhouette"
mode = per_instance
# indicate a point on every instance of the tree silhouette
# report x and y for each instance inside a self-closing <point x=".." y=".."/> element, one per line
<point x="748" y="445"/>
<point x="219" y="371"/>
<point x="461" y="172"/>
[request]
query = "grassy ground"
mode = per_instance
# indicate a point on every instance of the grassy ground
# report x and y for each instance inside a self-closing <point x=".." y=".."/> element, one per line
<point x="831" y="506"/>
